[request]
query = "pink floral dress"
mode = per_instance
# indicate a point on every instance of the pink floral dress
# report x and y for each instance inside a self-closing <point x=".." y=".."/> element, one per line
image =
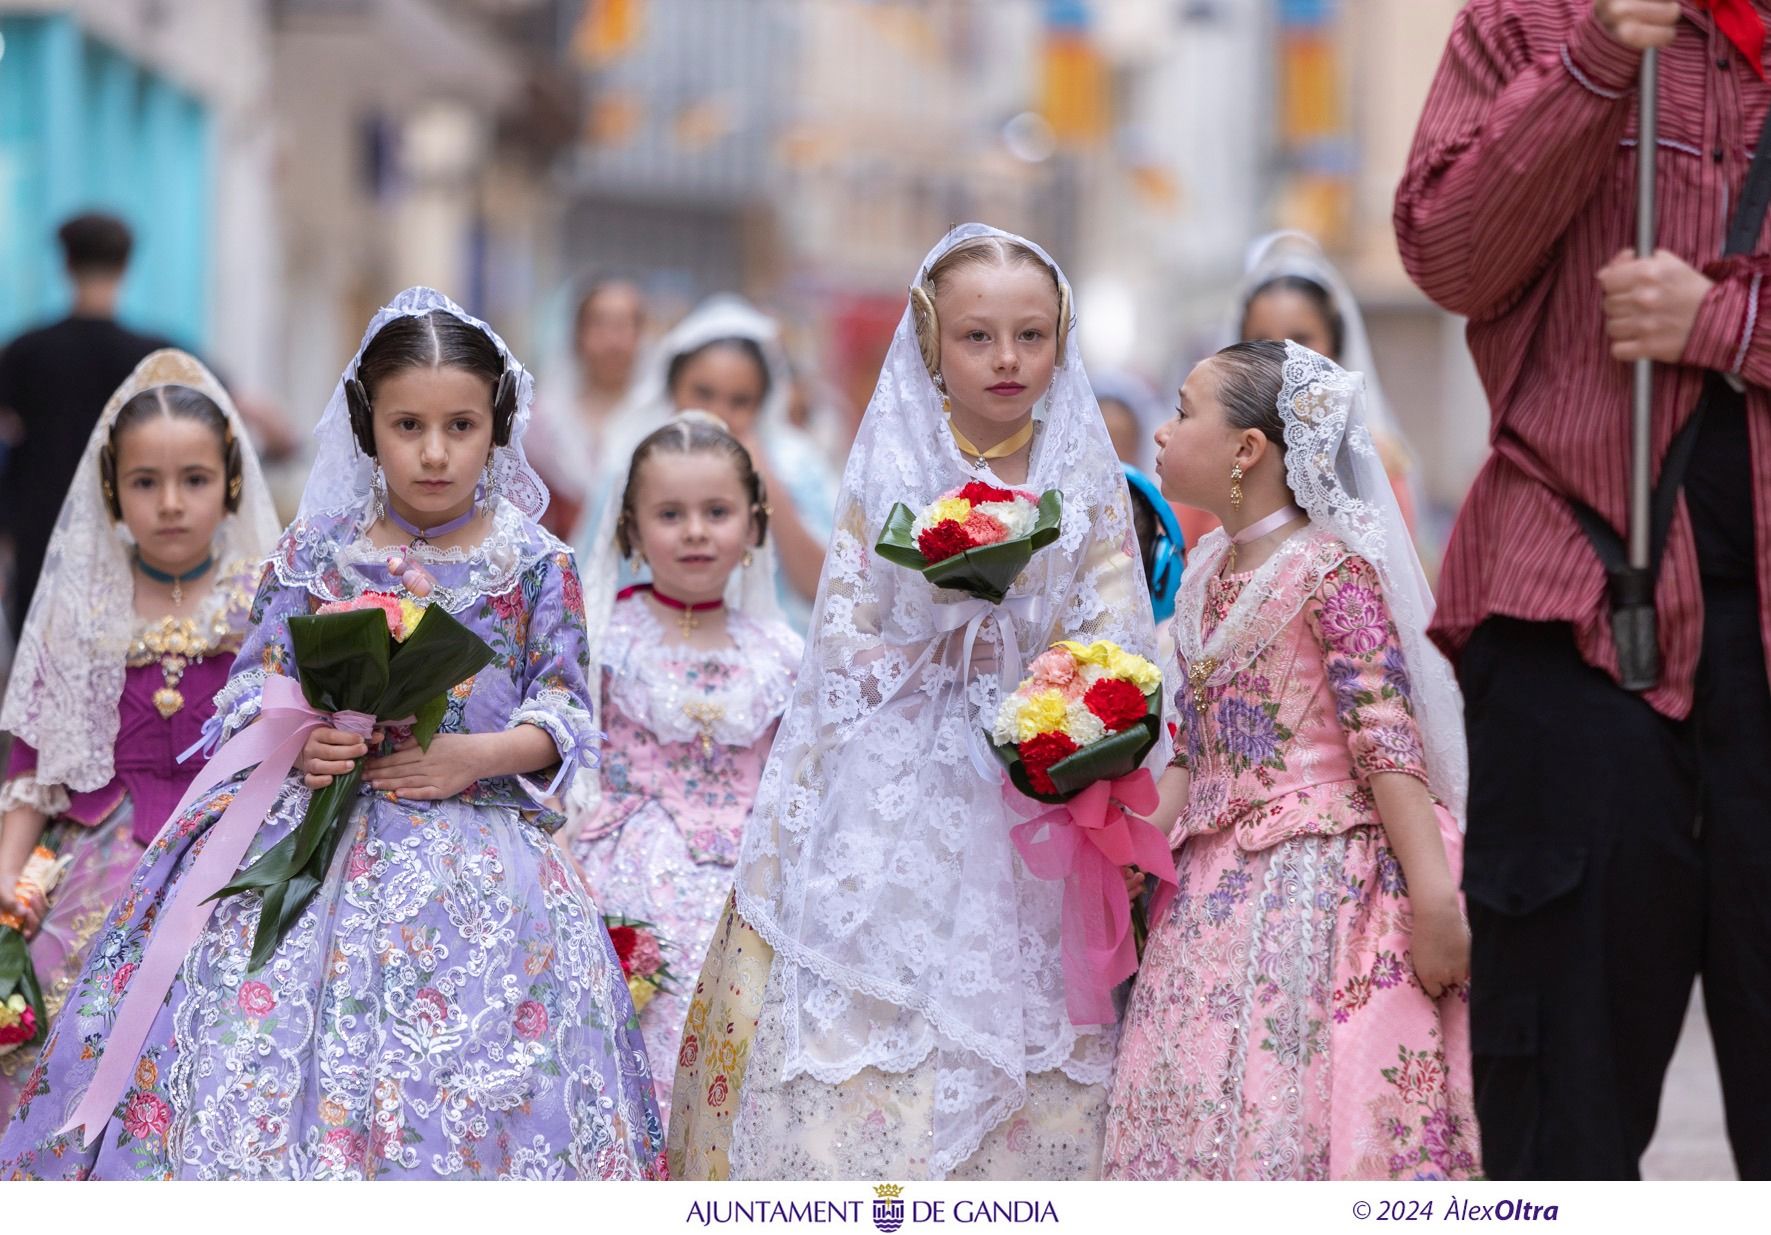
<point x="1277" y="1029"/>
<point x="688" y="731"/>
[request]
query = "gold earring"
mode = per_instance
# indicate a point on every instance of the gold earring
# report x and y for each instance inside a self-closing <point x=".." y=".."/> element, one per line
<point x="234" y="489"/>
<point x="1236" y="487"/>
<point x="749" y="560"/>
<point x="941" y="385"/>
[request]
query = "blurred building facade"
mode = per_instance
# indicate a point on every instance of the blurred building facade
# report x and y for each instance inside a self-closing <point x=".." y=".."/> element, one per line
<point x="290" y="163"/>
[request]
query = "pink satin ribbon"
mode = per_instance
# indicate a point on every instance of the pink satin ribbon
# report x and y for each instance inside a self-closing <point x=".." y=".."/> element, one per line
<point x="1085" y="843"/>
<point x="274" y="742"/>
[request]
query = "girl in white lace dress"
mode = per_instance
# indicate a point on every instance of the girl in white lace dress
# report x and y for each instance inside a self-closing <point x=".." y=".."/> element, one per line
<point x="913" y="1023"/>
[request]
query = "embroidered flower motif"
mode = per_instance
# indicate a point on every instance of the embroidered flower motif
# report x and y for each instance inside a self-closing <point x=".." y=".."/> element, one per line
<point x="531" y="1020"/>
<point x="1354" y="619"/>
<point x="146" y="1115"/>
<point x="255" y="999"/>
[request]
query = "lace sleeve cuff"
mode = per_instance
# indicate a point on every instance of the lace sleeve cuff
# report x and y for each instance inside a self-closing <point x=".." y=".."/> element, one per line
<point x="237" y="703"/>
<point x="564" y="719"/>
<point x="27" y="790"/>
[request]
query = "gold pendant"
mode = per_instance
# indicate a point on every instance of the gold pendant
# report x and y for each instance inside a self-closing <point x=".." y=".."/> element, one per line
<point x="704" y="713"/>
<point x="168" y="700"/>
<point x="689" y="622"/>
<point x="1197" y="672"/>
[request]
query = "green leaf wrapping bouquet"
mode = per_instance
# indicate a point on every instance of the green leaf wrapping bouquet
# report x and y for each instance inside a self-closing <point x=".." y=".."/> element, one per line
<point x="974" y="539"/>
<point x="377" y="656"/>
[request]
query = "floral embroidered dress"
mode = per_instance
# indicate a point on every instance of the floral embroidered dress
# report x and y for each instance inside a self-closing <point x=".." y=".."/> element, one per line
<point x="104" y="831"/>
<point x="688" y="731"/>
<point x="449" y="1004"/>
<point x="1276" y="1029"/>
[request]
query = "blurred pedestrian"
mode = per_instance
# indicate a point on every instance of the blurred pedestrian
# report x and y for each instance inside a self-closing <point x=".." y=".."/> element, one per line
<point x="54" y="381"/>
<point x="574" y="426"/>
<point x="1617" y="842"/>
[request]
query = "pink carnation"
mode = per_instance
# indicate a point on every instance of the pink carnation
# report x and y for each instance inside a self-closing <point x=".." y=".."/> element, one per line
<point x="389" y="606"/>
<point x="647" y="957"/>
<point x="983" y="529"/>
<point x="1055" y="668"/>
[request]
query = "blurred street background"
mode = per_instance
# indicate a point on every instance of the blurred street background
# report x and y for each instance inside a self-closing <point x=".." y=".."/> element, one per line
<point x="286" y="165"/>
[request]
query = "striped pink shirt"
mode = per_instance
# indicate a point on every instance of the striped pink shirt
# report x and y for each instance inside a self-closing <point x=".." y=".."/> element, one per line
<point x="1520" y="186"/>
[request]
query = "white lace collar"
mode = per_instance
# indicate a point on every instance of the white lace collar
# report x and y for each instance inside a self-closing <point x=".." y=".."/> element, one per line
<point x="646" y="677"/>
<point x="331" y="556"/>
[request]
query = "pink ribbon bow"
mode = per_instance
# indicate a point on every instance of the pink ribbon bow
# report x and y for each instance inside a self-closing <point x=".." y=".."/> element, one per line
<point x="1085" y="842"/>
<point x="274" y="742"/>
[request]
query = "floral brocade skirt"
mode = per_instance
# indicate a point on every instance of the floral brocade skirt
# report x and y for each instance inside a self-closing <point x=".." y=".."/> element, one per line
<point x="1277" y="1030"/>
<point x="104" y="858"/>
<point x="449" y="1004"/>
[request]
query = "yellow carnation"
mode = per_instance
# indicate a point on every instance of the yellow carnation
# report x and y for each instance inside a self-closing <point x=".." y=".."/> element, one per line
<point x="641" y="992"/>
<point x="411" y="614"/>
<point x="1043" y="712"/>
<point x="1133" y="668"/>
<point x="954" y="508"/>
<point x="1097" y="653"/>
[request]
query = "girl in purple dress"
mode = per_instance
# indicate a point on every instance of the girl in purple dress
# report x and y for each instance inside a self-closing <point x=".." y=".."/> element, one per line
<point x="448" y="1004"/>
<point x="141" y="609"/>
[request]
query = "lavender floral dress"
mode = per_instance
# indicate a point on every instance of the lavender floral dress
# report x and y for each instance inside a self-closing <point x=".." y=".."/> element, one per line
<point x="449" y="1005"/>
<point x="1277" y="1029"/>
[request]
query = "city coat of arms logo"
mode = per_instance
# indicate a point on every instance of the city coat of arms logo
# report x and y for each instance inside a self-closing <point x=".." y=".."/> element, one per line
<point x="888" y="1207"/>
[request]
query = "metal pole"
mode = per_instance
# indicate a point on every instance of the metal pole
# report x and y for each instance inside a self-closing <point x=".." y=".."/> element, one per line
<point x="1632" y="589"/>
<point x="1641" y="440"/>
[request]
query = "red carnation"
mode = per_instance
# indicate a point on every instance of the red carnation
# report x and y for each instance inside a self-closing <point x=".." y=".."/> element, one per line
<point x="977" y="491"/>
<point x="1117" y="703"/>
<point x="626" y="939"/>
<point x="942" y="541"/>
<point x="1039" y="752"/>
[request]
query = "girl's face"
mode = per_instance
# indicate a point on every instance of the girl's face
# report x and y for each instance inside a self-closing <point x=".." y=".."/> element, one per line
<point x="691" y="520"/>
<point x="999" y="341"/>
<point x="724" y="381"/>
<point x="172" y="486"/>
<point x="433" y="436"/>
<point x="1281" y="313"/>
<point x="1197" y="448"/>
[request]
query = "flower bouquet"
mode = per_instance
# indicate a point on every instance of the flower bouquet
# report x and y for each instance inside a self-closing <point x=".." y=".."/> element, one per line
<point x="641" y="952"/>
<point x="1073" y="736"/>
<point x="373" y="659"/>
<point x="974" y="539"/>
<point x="23" y="1019"/>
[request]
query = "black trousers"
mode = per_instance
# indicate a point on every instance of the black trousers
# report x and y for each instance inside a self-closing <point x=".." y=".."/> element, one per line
<point x="1612" y="856"/>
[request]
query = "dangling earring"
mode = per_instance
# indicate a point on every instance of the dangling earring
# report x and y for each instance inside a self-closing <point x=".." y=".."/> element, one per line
<point x="941" y="385"/>
<point x="1236" y="487"/>
<point x="378" y="487"/>
<point x="749" y="560"/>
<point x="486" y="481"/>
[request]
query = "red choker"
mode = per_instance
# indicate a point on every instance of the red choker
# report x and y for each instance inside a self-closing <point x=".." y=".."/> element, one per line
<point x="689" y="620"/>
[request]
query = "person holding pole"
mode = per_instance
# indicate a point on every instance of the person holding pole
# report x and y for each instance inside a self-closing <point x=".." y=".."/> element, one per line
<point x="1617" y="844"/>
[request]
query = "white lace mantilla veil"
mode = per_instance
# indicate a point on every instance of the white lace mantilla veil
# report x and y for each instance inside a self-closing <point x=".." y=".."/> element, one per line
<point x="1336" y="475"/>
<point x="649" y="406"/>
<point x="752" y="590"/>
<point x="1295" y="253"/>
<point x="340" y="478"/>
<point x="68" y="673"/>
<point x="877" y="862"/>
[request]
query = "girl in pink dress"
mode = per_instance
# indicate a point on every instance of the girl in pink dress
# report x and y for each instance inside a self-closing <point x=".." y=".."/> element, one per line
<point x="142" y="605"/>
<point x="1301" y="1013"/>
<point x="697" y="667"/>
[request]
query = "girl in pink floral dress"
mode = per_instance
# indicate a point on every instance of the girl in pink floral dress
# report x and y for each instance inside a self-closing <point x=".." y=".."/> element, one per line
<point x="692" y="689"/>
<point x="1302" y="1012"/>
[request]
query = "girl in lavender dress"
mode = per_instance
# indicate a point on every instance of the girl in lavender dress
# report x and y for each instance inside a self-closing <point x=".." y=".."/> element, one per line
<point x="141" y="610"/>
<point x="697" y="666"/>
<point x="448" y="1003"/>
